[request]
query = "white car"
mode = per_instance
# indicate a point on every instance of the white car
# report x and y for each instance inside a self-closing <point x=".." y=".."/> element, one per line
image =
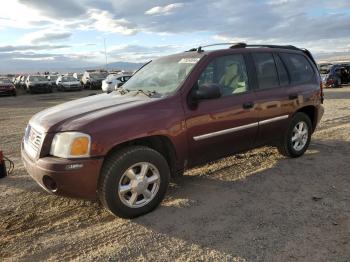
<point x="112" y="82"/>
<point x="65" y="83"/>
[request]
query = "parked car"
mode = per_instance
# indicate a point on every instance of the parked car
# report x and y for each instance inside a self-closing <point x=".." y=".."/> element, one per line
<point x="92" y="79"/>
<point x="53" y="79"/>
<point x="68" y="83"/>
<point x="7" y="87"/>
<point x="114" y="81"/>
<point x="78" y="76"/>
<point x="334" y="76"/>
<point x="175" y="113"/>
<point x="345" y="73"/>
<point x="38" y="84"/>
<point x="20" y="82"/>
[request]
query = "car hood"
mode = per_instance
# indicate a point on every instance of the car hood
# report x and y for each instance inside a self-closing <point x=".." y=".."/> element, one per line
<point x="71" y="115"/>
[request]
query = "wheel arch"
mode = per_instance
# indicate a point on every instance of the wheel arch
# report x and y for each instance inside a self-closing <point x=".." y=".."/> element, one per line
<point x="311" y="112"/>
<point x="161" y="144"/>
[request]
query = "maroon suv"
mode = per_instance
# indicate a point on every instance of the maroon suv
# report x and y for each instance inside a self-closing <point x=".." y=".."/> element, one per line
<point x="176" y="112"/>
<point x="7" y="87"/>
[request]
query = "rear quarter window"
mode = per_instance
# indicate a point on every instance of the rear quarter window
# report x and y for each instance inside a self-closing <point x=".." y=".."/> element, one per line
<point x="300" y="69"/>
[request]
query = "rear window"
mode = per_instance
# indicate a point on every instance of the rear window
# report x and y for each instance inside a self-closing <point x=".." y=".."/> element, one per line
<point x="266" y="70"/>
<point x="300" y="70"/>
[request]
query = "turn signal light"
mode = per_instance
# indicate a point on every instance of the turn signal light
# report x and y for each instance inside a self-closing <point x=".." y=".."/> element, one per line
<point x="80" y="146"/>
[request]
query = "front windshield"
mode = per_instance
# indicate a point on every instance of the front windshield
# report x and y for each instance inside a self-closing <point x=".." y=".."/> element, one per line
<point x="37" y="78"/>
<point x="97" y="75"/>
<point x="69" y="79"/>
<point x="163" y="75"/>
<point x="5" y="81"/>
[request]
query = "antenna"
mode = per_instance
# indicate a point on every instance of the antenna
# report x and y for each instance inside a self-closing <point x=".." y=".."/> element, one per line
<point x="104" y="41"/>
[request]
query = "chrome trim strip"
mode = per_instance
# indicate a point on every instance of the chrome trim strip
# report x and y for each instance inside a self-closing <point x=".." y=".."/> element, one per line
<point x="267" y="121"/>
<point x="225" y="131"/>
<point x="239" y="128"/>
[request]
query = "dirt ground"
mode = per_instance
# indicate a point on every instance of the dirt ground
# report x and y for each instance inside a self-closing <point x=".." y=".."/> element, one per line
<point x="256" y="206"/>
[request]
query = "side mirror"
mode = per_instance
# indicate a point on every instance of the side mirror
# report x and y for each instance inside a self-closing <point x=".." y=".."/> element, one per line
<point x="120" y="84"/>
<point x="203" y="92"/>
<point x="206" y="91"/>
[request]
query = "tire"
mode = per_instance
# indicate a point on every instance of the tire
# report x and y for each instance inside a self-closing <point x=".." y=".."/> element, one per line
<point x="286" y="147"/>
<point x="114" y="176"/>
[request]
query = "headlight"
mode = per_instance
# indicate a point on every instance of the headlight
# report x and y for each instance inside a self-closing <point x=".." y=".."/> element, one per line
<point x="71" y="145"/>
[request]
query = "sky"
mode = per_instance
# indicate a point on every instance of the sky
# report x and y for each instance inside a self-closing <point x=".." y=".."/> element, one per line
<point x="71" y="33"/>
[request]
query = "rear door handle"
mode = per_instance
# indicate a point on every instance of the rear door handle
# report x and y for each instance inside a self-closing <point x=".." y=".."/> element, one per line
<point x="293" y="96"/>
<point x="248" y="105"/>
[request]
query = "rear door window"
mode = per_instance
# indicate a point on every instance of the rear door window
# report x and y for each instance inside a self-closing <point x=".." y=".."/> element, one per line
<point x="300" y="70"/>
<point x="266" y="70"/>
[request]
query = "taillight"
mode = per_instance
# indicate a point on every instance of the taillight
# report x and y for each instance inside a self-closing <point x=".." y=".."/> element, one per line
<point x="321" y="93"/>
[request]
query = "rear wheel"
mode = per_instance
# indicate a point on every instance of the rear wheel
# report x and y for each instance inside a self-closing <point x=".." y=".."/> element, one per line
<point x="133" y="181"/>
<point x="297" y="137"/>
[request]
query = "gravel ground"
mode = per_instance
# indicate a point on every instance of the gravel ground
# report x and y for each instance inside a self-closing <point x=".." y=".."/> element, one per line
<point x="256" y="206"/>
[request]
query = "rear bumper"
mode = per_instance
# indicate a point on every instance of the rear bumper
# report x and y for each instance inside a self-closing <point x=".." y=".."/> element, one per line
<point x="72" y="178"/>
<point x="319" y="114"/>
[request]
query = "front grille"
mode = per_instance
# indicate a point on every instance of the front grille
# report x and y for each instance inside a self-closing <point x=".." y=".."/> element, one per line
<point x="32" y="141"/>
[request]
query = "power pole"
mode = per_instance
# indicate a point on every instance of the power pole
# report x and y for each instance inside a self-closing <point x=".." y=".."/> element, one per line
<point x="104" y="41"/>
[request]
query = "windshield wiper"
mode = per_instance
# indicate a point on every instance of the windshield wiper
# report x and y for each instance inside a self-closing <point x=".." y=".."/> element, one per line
<point x="147" y="92"/>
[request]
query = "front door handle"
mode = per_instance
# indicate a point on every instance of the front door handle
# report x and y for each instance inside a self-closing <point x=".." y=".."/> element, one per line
<point x="248" y="105"/>
<point x="293" y="96"/>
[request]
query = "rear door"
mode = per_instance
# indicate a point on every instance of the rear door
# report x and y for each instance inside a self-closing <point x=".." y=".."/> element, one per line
<point x="271" y="95"/>
<point x="222" y="126"/>
<point x="304" y="86"/>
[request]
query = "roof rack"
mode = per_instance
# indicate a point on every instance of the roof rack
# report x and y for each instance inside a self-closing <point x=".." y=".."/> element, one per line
<point x="243" y="45"/>
<point x="240" y="45"/>
<point x="200" y="48"/>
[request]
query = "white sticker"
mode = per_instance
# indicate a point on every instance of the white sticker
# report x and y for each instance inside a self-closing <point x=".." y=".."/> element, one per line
<point x="189" y="60"/>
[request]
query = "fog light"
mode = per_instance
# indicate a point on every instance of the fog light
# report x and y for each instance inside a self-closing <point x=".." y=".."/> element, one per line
<point x="50" y="184"/>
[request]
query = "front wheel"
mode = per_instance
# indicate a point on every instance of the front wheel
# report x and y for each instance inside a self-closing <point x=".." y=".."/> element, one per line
<point x="133" y="181"/>
<point x="297" y="137"/>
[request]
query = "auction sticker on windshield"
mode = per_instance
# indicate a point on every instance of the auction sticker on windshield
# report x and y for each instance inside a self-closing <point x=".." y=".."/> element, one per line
<point x="189" y="60"/>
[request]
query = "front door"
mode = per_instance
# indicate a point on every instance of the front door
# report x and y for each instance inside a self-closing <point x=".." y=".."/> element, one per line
<point x="222" y="126"/>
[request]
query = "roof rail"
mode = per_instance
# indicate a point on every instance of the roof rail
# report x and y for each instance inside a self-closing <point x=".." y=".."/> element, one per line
<point x="200" y="48"/>
<point x="267" y="46"/>
<point x="243" y="45"/>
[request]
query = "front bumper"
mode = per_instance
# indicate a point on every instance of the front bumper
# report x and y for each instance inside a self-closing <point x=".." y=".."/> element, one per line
<point x="108" y="87"/>
<point x="96" y="84"/>
<point x="41" y="88"/>
<point x="5" y="92"/>
<point x="71" y="87"/>
<point x="57" y="176"/>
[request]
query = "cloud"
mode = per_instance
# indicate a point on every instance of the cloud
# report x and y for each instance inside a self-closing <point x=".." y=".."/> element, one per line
<point x="139" y="53"/>
<point x="46" y="35"/>
<point x="105" y="22"/>
<point x="54" y="8"/>
<point x="164" y="10"/>
<point x="12" y="48"/>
